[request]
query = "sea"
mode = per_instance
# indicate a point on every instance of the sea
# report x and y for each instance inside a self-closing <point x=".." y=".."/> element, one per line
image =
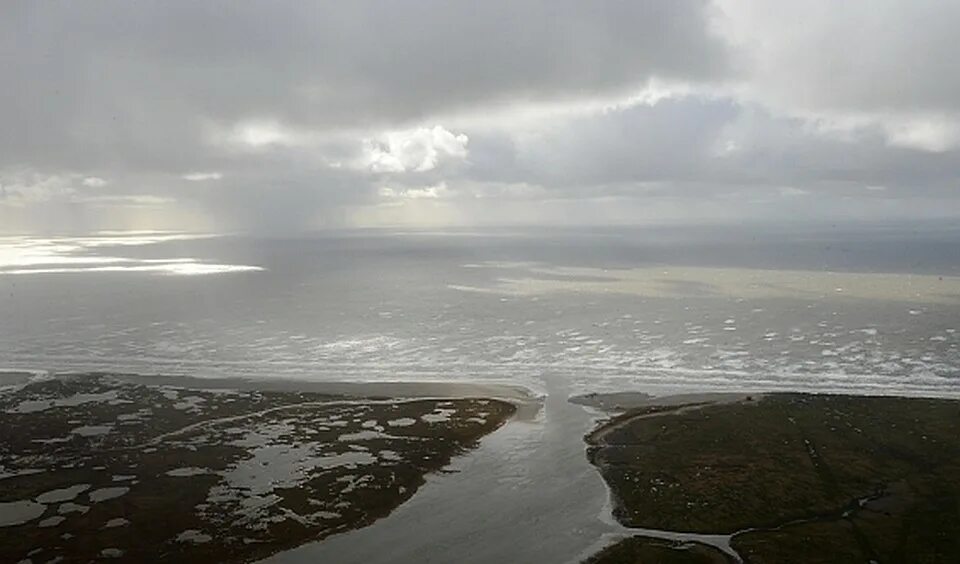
<point x="869" y="309"/>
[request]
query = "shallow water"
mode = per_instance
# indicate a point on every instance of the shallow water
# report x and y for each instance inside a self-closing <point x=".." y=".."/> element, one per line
<point x="19" y="512"/>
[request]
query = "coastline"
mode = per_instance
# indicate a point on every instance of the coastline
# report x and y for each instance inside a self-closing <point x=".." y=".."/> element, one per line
<point x="353" y="388"/>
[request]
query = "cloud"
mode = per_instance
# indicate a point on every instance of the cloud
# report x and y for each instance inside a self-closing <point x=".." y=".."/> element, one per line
<point x="936" y="135"/>
<point x="859" y="56"/>
<point x="24" y="189"/>
<point x="261" y="134"/>
<point x="426" y="192"/>
<point x="165" y="72"/>
<point x="417" y="150"/>
<point x="94" y="182"/>
<point x="202" y="176"/>
<point x="791" y="192"/>
<point x="884" y="63"/>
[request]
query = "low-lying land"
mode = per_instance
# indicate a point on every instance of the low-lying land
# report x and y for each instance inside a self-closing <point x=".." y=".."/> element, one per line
<point x="785" y="478"/>
<point x="96" y="467"/>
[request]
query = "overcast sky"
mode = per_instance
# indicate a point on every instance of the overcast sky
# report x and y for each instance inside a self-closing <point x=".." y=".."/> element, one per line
<point x="279" y="116"/>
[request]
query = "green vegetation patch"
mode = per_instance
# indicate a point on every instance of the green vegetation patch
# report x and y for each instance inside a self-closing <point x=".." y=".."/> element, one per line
<point x="794" y="477"/>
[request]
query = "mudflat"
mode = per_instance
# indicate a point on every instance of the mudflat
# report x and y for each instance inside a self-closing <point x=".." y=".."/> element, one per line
<point x="784" y="478"/>
<point x="100" y="466"/>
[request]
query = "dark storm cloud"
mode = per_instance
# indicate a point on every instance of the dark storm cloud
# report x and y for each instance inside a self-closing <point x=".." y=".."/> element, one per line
<point x="708" y="140"/>
<point x="672" y="139"/>
<point x="133" y="83"/>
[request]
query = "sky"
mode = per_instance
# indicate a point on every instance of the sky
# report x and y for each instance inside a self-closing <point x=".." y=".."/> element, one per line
<point x="281" y="116"/>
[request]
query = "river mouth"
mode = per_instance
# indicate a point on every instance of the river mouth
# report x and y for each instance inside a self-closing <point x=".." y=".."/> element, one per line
<point x="526" y="494"/>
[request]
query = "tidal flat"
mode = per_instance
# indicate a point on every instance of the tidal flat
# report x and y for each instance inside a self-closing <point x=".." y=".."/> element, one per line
<point x="106" y="467"/>
<point x="783" y="478"/>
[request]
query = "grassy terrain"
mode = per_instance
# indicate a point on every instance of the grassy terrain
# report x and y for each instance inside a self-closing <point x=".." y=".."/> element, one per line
<point x="793" y="477"/>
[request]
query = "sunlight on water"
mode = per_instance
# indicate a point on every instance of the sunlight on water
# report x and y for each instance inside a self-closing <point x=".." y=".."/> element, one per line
<point x="64" y="255"/>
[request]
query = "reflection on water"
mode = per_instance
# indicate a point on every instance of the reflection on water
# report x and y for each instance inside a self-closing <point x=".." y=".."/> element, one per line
<point x="61" y="255"/>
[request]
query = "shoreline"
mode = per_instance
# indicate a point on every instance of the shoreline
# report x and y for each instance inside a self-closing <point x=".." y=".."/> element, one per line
<point x="521" y="395"/>
<point x="414" y="388"/>
<point x="524" y="399"/>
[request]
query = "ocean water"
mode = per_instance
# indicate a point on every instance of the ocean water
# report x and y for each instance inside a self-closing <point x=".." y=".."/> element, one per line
<point x="870" y="309"/>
